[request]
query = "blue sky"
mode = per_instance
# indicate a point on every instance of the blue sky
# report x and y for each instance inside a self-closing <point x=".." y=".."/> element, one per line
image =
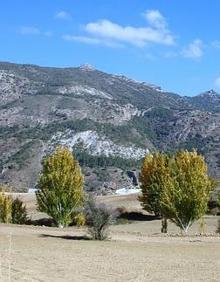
<point x="174" y="44"/>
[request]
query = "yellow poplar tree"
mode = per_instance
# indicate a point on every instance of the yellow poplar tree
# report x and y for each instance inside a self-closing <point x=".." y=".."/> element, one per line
<point x="60" y="187"/>
<point x="186" y="199"/>
<point x="154" y="177"/>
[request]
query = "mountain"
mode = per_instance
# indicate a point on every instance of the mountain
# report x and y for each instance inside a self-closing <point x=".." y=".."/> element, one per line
<point x="207" y="101"/>
<point x="110" y="122"/>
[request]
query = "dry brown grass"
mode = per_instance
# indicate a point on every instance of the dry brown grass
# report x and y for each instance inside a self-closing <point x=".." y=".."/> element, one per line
<point x="136" y="252"/>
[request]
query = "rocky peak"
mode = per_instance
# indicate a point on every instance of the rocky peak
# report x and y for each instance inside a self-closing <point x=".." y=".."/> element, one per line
<point x="87" y="67"/>
<point x="209" y="94"/>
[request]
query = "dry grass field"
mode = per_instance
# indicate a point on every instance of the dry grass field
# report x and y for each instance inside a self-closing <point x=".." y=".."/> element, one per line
<point x="137" y="251"/>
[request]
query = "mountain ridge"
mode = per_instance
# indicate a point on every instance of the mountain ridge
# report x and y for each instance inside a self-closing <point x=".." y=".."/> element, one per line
<point x="43" y="104"/>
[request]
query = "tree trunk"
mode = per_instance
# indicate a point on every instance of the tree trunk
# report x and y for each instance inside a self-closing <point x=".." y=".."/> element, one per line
<point x="164" y="225"/>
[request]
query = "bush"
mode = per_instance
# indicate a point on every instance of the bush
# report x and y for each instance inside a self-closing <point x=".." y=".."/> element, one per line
<point x="5" y="208"/>
<point x="98" y="218"/>
<point x="213" y="207"/>
<point x="12" y="211"/>
<point x="18" y="213"/>
<point x="80" y="219"/>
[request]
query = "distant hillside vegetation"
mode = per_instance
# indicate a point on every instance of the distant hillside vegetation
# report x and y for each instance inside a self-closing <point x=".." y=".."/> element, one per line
<point x="109" y="121"/>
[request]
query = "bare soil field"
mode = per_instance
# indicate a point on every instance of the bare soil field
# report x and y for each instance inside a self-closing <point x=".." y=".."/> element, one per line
<point x="136" y="251"/>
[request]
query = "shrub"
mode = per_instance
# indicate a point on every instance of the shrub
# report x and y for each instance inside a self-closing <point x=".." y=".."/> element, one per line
<point x="18" y="213"/>
<point x="12" y="211"/>
<point x="5" y="208"/>
<point x="98" y="218"/>
<point x="80" y="219"/>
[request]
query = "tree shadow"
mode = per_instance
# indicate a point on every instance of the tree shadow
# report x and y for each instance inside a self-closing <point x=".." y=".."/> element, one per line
<point x="67" y="237"/>
<point x="137" y="216"/>
<point x="49" y="222"/>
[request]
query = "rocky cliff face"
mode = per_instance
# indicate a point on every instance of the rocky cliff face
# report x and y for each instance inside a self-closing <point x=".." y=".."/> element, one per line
<point x="109" y="121"/>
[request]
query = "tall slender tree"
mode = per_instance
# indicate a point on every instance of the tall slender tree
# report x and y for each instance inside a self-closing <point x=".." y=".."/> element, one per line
<point x="154" y="176"/>
<point x="185" y="200"/>
<point x="60" y="187"/>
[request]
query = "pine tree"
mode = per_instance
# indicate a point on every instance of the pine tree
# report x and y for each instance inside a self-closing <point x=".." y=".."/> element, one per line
<point x="185" y="199"/>
<point x="60" y="187"/>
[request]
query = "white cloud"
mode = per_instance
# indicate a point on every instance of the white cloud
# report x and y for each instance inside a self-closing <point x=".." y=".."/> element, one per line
<point x="138" y="36"/>
<point x="156" y="19"/>
<point x="63" y="15"/>
<point x="194" y="50"/>
<point x="92" y="41"/>
<point x="156" y="31"/>
<point x="217" y="82"/>
<point x="29" y="30"/>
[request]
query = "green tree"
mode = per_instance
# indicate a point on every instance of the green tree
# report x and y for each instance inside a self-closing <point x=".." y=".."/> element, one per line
<point x="185" y="200"/>
<point x="18" y="212"/>
<point x="60" y="187"/>
<point x="154" y="177"/>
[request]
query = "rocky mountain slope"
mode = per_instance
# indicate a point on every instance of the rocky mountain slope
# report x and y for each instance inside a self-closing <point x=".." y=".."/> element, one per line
<point x="109" y="121"/>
